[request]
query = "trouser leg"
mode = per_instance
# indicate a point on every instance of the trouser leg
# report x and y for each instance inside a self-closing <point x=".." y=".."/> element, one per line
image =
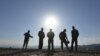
<point x="40" y="43"/>
<point x="66" y="44"/>
<point x="48" y="44"/>
<point x="52" y="45"/>
<point x="72" y="45"/>
<point x="61" y="44"/>
<point x="76" y="45"/>
<point x="24" y="43"/>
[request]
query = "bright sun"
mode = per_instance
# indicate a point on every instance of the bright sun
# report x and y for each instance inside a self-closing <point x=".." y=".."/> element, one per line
<point x="51" y="21"/>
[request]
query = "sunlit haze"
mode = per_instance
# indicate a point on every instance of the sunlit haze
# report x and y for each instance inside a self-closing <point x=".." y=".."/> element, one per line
<point x="18" y="16"/>
<point x="51" y="21"/>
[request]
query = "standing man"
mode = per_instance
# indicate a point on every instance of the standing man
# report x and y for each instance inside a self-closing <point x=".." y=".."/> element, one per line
<point x="75" y="35"/>
<point x="41" y="37"/>
<point x="50" y="36"/>
<point x="26" y="39"/>
<point x="63" y="38"/>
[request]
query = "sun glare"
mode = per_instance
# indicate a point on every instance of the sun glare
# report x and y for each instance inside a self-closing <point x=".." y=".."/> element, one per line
<point x="51" y="21"/>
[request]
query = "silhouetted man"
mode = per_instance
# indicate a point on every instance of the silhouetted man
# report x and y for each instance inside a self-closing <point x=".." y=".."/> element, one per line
<point x="41" y="36"/>
<point x="50" y="36"/>
<point x="26" y="39"/>
<point x="63" y="38"/>
<point x="75" y="35"/>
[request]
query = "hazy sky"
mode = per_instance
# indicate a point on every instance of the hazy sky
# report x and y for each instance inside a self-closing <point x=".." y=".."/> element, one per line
<point x="18" y="16"/>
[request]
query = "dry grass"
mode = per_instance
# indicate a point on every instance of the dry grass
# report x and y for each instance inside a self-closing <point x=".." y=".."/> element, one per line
<point x="19" y="52"/>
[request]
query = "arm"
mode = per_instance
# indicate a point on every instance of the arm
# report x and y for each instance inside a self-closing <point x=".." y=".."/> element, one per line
<point x="53" y="35"/>
<point x="77" y="33"/>
<point x="43" y="34"/>
<point x="66" y="37"/>
<point x="24" y="34"/>
<point x="60" y="35"/>
<point x="47" y="34"/>
<point x="72" y="34"/>
<point x="30" y="36"/>
<point x="38" y="33"/>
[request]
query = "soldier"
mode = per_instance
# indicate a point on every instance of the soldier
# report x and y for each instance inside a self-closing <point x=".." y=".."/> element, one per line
<point x="41" y="37"/>
<point x="63" y="38"/>
<point x="50" y="36"/>
<point x="75" y="35"/>
<point x="26" y="39"/>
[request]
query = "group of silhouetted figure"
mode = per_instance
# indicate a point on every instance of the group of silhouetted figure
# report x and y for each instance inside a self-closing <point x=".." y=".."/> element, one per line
<point x="50" y="35"/>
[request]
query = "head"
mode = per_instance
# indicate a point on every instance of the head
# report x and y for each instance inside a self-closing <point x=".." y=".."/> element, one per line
<point x="28" y="31"/>
<point x="50" y="30"/>
<point x="73" y="27"/>
<point x="41" y="29"/>
<point x="64" y="30"/>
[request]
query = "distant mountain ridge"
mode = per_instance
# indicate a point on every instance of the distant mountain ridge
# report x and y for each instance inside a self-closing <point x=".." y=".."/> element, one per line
<point x="92" y="47"/>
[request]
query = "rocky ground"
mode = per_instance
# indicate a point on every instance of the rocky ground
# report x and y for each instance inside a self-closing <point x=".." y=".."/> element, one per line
<point x="34" y="52"/>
